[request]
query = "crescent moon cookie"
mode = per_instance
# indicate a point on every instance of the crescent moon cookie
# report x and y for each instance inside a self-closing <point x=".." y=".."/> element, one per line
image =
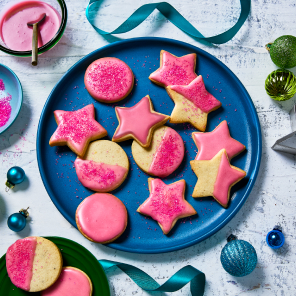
<point x="164" y="155"/>
<point x="109" y="80"/>
<point x="193" y="103"/>
<point x="104" y="166"/>
<point x="174" y="70"/>
<point x="138" y="122"/>
<point x="209" y="144"/>
<point x="101" y="218"/>
<point x="34" y="263"/>
<point x="72" y="281"/>
<point x="216" y="177"/>
<point x="76" y="129"/>
<point x="166" y="203"/>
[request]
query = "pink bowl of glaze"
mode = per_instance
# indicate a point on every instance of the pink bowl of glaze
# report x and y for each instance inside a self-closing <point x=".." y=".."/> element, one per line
<point x="58" y="6"/>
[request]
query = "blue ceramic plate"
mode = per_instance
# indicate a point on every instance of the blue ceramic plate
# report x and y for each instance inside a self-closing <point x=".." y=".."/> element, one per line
<point x="143" y="235"/>
<point x="14" y="88"/>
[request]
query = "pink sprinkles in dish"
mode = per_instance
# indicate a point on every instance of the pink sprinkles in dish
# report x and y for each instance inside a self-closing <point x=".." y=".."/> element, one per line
<point x="5" y="110"/>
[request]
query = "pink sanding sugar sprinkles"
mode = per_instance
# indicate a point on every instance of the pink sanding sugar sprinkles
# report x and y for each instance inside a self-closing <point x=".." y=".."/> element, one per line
<point x="5" y="108"/>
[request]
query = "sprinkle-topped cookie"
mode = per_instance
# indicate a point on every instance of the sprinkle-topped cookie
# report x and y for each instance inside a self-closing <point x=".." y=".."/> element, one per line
<point x="164" y="155"/>
<point x="166" y="203"/>
<point x="109" y="80"/>
<point x="216" y="177"/>
<point x="209" y="144"/>
<point x="193" y="103"/>
<point x="138" y="122"/>
<point x="76" y="129"/>
<point x="104" y="166"/>
<point x="174" y="70"/>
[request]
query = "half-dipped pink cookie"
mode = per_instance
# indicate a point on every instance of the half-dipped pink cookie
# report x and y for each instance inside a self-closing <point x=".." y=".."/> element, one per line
<point x="216" y="177"/>
<point x="209" y="144"/>
<point x="72" y="281"/>
<point x="104" y="166"/>
<point x="164" y="155"/>
<point x="109" y="80"/>
<point x="174" y="70"/>
<point x="34" y="263"/>
<point x="166" y="203"/>
<point x="76" y="129"/>
<point x="193" y="103"/>
<point x="138" y="122"/>
<point x="101" y="218"/>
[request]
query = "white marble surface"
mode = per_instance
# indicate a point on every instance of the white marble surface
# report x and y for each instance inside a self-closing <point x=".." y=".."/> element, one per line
<point x="273" y="197"/>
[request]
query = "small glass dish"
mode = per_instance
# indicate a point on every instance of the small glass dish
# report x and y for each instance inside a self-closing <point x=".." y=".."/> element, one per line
<point x="61" y="8"/>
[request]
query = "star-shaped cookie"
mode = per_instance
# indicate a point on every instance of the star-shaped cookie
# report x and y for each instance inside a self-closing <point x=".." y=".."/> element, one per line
<point x="216" y="177"/>
<point x="209" y="144"/>
<point x="76" y="129"/>
<point x="166" y="203"/>
<point x="174" y="70"/>
<point x="138" y="122"/>
<point x="193" y="103"/>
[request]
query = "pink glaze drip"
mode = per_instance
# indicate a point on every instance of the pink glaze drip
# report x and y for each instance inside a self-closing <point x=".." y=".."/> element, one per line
<point x="225" y="178"/>
<point x="196" y="93"/>
<point x="168" y="155"/>
<point x="19" y="262"/>
<point x="76" y="127"/>
<point x="108" y="79"/>
<point x="166" y="203"/>
<point x="209" y="144"/>
<point x="71" y="282"/>
<point x="5" y="109"/>
<point x="101" y="217"/>
<point x="137" y="121"/>
<point x="99" y="177"/>
<point x="13" y="24"/>
<point x="175" y="70"/>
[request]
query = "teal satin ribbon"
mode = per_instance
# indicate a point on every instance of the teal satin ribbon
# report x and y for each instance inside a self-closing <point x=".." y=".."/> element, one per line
<point x="176" y="18"/>
<point x="182" y="277"/>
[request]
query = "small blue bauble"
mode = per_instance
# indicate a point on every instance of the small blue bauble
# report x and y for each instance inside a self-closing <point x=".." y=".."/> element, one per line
<point x="238" y="257"/>
<point x="275" y="238"/>
<point x="17" y="221"/>
<point x="16" y="175"/>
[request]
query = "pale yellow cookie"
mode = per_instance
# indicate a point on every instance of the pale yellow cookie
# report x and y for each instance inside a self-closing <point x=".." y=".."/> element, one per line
<point x="33" y="263"/>
<point x="216" y="177"/>
<point x="104" y="166"/>
<point x="164" y="155"/>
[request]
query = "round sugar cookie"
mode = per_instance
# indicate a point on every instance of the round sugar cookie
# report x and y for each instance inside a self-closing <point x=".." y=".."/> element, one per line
<point x="109" y="80"/>
<point x="34" y="263"/>
<point x="101" y="218"/>
<point x="104" y="166"/>
<point x="164" y="155"/>
<point x="72" y="281"/>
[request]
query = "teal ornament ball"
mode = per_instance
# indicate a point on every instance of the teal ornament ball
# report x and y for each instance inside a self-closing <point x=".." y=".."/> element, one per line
<point x="17" y="221"/>
<point x="238" y="257"/>
<point x="15" y="175"/>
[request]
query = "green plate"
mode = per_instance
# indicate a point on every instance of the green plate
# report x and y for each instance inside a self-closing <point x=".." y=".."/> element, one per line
<point x="73" y="255"/>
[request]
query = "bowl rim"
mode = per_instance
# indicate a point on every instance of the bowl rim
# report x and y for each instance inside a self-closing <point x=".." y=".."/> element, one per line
<point x="21" y="98"/>
<point x="55" y="39"/>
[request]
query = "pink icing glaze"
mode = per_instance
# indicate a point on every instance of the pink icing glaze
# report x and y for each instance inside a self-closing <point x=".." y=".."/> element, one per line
<point x="71" y="282"/>
<point x="76" y="127"/>
<point x="196" y="93"/>
<point x="5" y="107"/>
<point x="225" y="178"/>
<point x="99" y="177"/>
<point x="175" y="70"/>
<point x="166" y="203"/>
<point x="168" y="155"/>
<point x="108" y="79"/>
<point x="209" y="144"/>
<point x="101" y="217"/>
<point x="19" y="262"/>
<point x="137" y="121"/>
<point x="13" y="24"/>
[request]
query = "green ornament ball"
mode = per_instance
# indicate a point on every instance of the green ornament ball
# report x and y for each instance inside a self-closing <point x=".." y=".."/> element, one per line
<point x="283" y="51"/>
<point x="280" y="85"/>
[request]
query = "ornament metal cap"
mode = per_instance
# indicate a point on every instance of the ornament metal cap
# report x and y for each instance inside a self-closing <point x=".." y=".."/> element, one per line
<point x="24" y="212"/>
<point x="9" y="185"/>
<point x="231" y="237"/>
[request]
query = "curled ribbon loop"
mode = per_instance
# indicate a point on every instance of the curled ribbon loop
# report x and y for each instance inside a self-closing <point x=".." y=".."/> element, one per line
<point x="182" y="277"/>
<point x="174" y="17"/>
